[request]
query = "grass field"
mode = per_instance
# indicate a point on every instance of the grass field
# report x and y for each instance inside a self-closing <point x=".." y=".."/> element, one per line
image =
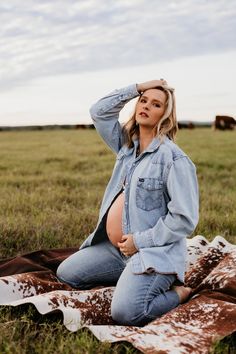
<point x="51" y="185"/>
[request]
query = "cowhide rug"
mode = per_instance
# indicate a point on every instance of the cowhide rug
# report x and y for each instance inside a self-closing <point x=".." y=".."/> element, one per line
<point x="193" y="327"/>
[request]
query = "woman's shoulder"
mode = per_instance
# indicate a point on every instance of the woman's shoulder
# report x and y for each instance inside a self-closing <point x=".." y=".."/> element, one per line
<point x="171" y="151"/>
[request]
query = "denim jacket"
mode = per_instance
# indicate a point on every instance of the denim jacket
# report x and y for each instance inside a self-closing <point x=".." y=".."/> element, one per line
<point x="161" y="192"/>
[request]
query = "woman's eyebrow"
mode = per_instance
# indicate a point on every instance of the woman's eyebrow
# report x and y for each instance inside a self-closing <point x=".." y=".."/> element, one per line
<point x="152" y="100"/>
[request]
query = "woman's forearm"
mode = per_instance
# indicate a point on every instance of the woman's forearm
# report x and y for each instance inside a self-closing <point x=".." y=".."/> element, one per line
<point x="150" y="84"/>
<point x="105" y="114"/>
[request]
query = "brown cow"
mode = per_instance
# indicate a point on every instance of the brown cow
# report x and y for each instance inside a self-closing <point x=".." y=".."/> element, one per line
<point x="224" y="123"/>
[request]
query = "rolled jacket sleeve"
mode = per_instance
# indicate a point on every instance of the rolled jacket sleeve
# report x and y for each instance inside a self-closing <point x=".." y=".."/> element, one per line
<point x="105" y="115"/>
<point x="183" y="208"/>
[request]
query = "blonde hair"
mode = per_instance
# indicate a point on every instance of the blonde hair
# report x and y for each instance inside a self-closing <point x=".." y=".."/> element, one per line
<point x="167" y="126"/>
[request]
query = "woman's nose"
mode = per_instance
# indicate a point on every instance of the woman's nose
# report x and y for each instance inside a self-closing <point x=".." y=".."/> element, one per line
<point x="146" y="105"/>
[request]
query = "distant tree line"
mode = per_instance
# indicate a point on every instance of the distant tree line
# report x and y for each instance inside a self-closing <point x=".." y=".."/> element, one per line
<point x="220" y="122"/>
<point x="49" y="127"/>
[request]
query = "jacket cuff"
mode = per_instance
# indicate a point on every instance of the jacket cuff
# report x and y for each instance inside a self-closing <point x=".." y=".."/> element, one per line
<point x="128" y="92"/>
<point x="143" y="239"/>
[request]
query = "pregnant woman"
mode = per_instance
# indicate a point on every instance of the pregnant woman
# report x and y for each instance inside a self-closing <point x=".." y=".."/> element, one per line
<point x="149" y="208"/>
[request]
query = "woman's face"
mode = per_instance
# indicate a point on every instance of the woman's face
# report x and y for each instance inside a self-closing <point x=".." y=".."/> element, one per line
<point x="150" y="108"/>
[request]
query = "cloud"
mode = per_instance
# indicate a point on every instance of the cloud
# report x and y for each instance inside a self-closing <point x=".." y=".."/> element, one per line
<point x="40" y="38"/>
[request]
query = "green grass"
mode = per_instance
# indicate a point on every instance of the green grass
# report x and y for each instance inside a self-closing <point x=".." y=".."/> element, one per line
<point x="51" y="185"/>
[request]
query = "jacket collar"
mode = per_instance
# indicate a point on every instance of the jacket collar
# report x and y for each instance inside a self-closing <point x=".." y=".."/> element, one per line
<point x="153" y="146"/>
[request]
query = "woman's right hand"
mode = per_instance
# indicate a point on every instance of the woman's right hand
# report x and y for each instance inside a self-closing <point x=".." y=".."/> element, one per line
<point x="150" y="84"/>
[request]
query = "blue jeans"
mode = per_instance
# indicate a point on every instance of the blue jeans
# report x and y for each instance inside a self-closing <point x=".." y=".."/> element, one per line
<point x="138" y="298"/>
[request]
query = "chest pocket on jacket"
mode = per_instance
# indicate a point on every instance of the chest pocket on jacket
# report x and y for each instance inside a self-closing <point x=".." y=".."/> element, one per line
<point x="149" y="193"/>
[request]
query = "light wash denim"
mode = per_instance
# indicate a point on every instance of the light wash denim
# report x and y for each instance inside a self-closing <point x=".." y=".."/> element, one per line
<point x="137" y="299"/>
<point x="161" y="192"/>
<point x="160" y="210"/>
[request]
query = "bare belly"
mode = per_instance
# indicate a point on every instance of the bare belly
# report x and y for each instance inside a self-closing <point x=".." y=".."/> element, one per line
<point x="114" y="220"/>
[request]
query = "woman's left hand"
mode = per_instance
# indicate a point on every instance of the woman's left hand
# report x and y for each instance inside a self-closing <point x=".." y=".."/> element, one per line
<point x="127" y="246"/>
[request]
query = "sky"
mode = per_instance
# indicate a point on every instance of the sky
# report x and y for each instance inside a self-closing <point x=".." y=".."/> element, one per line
<point x="57" y="57"/>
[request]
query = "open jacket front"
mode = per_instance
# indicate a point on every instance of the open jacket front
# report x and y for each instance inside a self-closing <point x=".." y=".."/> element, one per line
<point x="161" y="192"/>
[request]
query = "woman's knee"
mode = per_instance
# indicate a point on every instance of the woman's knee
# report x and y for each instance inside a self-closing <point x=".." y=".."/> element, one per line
<point x="120" y="313"/>
<point x="65" y="274"/>
<point x="61" y="272"/>
<point x="124" y="315"/>
<point x="124" y="311"/>
<point x="130" y="315"/>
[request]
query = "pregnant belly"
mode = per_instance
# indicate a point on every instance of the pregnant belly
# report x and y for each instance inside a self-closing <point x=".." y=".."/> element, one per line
<point x="114" y="220"/>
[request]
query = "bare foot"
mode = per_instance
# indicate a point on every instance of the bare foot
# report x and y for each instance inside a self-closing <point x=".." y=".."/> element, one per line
<point x="183" y="292"/>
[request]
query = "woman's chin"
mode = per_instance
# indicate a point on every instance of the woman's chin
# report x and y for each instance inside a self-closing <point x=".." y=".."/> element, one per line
<point x="144" y="123"/>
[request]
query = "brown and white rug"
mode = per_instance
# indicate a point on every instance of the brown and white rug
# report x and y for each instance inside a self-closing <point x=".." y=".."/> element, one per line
<point x="193" y="327"/>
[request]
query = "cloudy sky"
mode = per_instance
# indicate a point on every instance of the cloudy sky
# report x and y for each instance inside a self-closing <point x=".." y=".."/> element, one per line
<point x="57" y="57"/>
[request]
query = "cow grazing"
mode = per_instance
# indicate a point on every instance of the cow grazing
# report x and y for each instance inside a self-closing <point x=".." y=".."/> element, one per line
<point x="224" y="123"/>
